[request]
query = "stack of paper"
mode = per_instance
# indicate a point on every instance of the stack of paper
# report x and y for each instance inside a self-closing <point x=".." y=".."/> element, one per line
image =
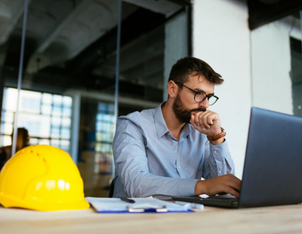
<point x="116" y="205"/>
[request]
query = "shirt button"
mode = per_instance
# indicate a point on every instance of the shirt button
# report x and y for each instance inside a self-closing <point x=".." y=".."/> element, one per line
<point x="215" y="152"/>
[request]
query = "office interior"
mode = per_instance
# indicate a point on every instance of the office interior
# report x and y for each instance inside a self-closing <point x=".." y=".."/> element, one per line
<point x="79" y="72"/>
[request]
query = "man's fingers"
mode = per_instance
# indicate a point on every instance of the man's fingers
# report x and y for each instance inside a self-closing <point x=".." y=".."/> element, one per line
<point x="197" y="119"/>
<point x="232" y="191"/>
<point x="192" y="121"/>
<point x="222" y="184"/>
<point x="205" y="120"/>
<point x="233" y="182"/>
<point x="233" y="185"/>
<point x="201" y="119"/>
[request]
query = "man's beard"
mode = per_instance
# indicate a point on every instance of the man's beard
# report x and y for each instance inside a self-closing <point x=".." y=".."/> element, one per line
<point x="182" y="114"/>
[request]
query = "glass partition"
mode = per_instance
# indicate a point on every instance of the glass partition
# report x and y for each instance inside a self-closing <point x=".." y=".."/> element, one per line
<point x="68" y="81"/>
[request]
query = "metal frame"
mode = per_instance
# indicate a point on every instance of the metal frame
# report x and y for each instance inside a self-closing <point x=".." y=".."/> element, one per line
<point x="188" y="7"/>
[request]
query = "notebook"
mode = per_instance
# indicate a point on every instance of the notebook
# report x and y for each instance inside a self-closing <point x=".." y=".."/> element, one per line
<point x="272" y="173"/>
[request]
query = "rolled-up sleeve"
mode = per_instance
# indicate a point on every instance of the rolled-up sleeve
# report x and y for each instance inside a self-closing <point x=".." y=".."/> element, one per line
<point x="218" y="161"/>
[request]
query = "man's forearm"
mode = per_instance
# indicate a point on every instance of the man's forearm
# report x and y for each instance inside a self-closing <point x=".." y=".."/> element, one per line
<point x="218" y="161"/>
<point x="147" y="184"/>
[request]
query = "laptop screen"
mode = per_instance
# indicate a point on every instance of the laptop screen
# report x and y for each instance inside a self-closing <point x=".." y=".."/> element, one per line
<point x="272" y="169"/>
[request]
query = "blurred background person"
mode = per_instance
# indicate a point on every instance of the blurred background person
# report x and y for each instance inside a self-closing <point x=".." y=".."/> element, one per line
<point x="22" y="141"/>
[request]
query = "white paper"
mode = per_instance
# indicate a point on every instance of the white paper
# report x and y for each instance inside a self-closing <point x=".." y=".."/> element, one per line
<point x="101" y="204"/>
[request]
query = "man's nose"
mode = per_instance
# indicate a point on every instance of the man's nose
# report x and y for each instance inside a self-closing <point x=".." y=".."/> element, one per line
<point x="204" y="104"/>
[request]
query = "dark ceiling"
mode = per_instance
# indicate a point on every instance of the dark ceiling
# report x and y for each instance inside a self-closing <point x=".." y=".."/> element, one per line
<point x="262" y="12"/>
<point x="72" y="43"/>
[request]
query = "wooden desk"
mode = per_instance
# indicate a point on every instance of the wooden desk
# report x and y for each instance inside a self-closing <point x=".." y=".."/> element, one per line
<point x="278" y="219"/>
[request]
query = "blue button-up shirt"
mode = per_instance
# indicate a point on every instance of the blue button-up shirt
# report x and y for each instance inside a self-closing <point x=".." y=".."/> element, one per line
<point x="150" y="161"/>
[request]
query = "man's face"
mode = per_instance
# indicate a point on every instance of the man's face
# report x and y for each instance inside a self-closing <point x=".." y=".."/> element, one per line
<point x="184" y="104"/>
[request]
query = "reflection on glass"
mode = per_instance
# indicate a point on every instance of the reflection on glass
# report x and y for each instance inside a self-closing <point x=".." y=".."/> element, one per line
<point x="40" y="114"/>
<point x="104" y="148"/>
<point x="65" y="133"/>
<point x="8" y="117"/>
<point x="47" y="98"/>
<point x="104" y="128"/>
<point x="30" y="101"/>
<point x="55" y="143"/>
<point x="56" y="121"/>
<point x="67" y="102"/>
<point x="43" y="142"/>
<point x="98" y="126"/>
<point x="34" y="141"/>
<point x="46" y="109"/>
<point x="66" y="112"/>
<point x="56" y="110"/>
<point x="98" y="136"/>
<point x="66" y="122"/>
<point x="10" y="99"/>
<point x="6" y="128"/>
<point x="64" y="143"/>
<point x="7" y="140"/>
<point x="55" y="132"/>
<point x="57" y="100"/>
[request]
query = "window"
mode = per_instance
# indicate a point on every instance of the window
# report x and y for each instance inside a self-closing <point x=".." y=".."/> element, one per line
<point x="47" y="117"/>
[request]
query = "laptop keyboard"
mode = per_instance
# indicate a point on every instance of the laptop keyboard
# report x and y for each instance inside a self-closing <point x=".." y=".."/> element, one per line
<point x="222" y="198"/>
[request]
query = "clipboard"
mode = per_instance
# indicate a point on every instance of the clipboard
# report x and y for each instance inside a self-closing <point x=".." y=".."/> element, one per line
<point x="141" y="205"/>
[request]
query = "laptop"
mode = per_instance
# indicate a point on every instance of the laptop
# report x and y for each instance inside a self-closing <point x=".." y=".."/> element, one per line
<point x="272" y="173"/>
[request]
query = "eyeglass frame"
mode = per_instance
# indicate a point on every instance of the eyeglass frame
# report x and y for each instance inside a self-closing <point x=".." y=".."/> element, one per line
<point x="195" y="93"/>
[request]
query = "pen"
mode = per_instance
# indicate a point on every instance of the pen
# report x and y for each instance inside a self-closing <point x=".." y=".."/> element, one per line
<point x="127" y="200"/>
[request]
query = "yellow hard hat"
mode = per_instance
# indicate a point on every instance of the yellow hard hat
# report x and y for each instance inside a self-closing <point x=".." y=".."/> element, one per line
<point x="42" y="177"/>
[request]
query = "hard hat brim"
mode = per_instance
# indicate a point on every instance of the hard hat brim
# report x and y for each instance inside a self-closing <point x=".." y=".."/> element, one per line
<point x="33" y="204"/>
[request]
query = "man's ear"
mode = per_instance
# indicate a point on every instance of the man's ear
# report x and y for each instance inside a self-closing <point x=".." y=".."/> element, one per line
<point x="172" y="89"/>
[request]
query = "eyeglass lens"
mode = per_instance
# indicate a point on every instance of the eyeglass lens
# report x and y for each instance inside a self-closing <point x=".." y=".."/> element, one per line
<point x="200" y="97"/>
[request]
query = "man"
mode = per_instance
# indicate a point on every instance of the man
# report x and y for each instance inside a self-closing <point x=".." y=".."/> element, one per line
<point x="22" y="141"/>
<point x="167" y="150"/>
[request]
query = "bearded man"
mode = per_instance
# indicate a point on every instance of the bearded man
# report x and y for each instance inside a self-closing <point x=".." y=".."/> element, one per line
<point x="178" y="148"/>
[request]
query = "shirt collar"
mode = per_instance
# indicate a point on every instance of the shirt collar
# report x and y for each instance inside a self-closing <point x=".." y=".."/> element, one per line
<point x="160" y="123"/>
<point x="161" y="126"/>
<point x="185" y="131"/>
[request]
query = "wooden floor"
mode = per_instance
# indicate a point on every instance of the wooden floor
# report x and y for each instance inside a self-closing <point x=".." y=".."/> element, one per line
<point x="95" y="174"/>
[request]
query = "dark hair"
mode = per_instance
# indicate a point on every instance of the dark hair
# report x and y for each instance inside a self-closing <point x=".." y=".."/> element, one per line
<point x="186" y="66"/>
<point x="22" y="137"/>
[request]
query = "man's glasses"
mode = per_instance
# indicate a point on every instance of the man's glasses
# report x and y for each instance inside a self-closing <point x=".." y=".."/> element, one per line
<point x="201" y="96"/>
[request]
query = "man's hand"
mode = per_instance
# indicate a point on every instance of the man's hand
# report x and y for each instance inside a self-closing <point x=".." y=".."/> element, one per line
<point x="207" y="122"/>
<point x="221" y="184"/>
